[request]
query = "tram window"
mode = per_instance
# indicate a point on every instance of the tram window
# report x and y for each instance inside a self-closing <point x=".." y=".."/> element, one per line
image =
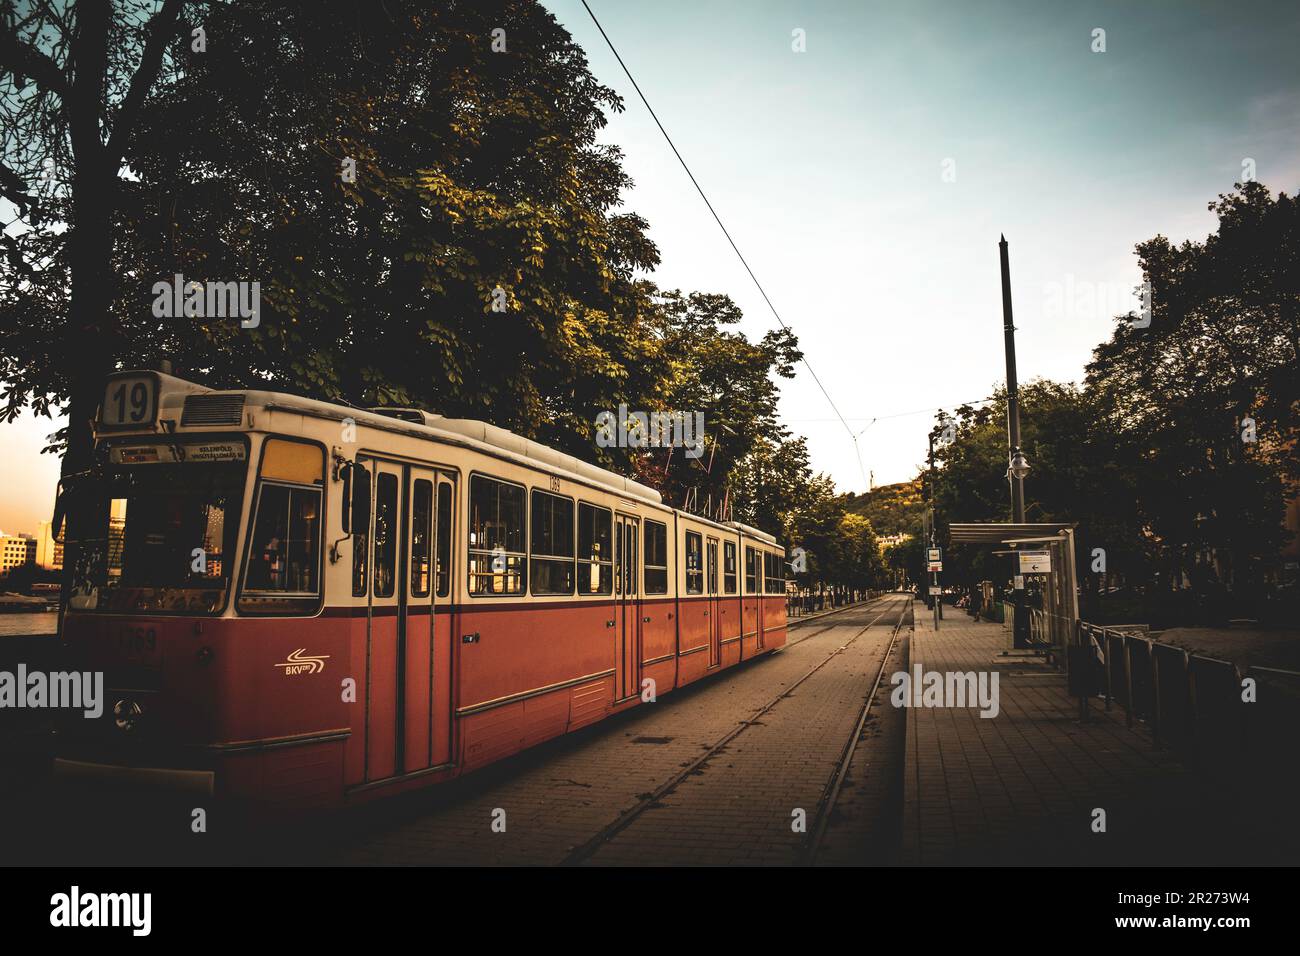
<point x="386" y="518"/>
<point x="443" y="571"/>
<point x="360" y="476"/>
<point x="694" y="563"/>
<point x="283" y="573"/>
<point x="551" y="565"/>
<point x="595" y="550"/>
<point x="729" y="567"/>
<point x="421" y="536"/>
<point x="656" y="558"/>
<point x="775" y="576"/>
<point x="149" y="520"/>
<point x="713" y="567"/>
<point x="751" y="571"/>
<point x="496" y="537"/>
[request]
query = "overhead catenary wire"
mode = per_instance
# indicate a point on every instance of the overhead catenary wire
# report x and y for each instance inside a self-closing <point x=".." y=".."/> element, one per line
<point x="881" y="418"/>
<point x="717" y="218"/>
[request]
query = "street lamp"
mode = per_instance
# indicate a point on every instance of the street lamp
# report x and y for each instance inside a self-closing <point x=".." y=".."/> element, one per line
<point x="1019" y="466"/>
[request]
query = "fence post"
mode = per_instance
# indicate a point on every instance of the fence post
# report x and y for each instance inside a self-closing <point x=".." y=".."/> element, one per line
<point x="1079" y="660"/>
<point x="1155" y="692"/>
<point x="1105" y="663"/>
<point x="1128" y="681"/>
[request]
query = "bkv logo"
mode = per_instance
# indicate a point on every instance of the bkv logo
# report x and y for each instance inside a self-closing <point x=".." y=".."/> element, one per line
<point x="301" y="663"/>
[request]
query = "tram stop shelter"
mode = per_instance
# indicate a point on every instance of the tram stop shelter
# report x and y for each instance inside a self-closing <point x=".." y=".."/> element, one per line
<point x="1053" y="626"/>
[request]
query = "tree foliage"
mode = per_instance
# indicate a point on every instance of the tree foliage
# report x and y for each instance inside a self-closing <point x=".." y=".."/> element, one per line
<point x="892" y="509"/>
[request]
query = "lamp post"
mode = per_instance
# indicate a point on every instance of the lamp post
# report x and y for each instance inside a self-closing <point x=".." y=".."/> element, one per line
<point x="934" y="575"/>
<point x="1017" y="465"/>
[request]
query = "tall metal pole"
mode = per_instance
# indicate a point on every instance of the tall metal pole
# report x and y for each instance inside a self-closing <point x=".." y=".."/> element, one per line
<point x="934" y="575"/>
<point x="1020" y="635"/>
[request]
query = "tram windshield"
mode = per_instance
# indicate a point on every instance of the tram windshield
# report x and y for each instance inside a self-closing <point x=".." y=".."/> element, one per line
<point x="165" y="538"/>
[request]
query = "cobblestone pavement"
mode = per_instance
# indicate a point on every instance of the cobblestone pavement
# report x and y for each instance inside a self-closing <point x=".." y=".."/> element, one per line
<point x="1024" y="787"/>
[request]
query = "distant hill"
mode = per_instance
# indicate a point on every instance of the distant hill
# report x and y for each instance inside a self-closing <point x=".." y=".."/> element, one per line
<point x="891" y="509"/>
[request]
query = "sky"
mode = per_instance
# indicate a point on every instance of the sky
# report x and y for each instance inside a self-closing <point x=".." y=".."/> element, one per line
<point x="867" y="180"/>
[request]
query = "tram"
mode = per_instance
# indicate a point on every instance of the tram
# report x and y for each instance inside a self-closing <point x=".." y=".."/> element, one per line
<point x="302" y="604"/>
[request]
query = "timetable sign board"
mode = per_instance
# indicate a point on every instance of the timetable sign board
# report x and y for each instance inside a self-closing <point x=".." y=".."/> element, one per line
<point x="936" y="592"/>
<point x="1035" y="562"/>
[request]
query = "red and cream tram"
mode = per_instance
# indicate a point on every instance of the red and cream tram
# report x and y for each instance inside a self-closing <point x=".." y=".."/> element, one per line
<point x="304" y="604"/>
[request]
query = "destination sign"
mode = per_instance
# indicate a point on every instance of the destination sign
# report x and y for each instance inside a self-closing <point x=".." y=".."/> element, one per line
<point x="172" y="452"/>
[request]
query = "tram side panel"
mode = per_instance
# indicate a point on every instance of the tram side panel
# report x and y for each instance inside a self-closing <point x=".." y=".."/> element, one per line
<point x="774" y="630"/>
<point x="529" y="671"/>
<point x="693" y="624"/>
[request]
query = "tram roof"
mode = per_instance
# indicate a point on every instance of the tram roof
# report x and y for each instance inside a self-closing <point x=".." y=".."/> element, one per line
<point x="176" y="393"/>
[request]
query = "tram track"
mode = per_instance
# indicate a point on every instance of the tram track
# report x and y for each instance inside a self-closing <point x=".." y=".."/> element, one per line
<point x="831" y="792"/>
<point x="590" y="847"/>
<point x="823" y="629"/>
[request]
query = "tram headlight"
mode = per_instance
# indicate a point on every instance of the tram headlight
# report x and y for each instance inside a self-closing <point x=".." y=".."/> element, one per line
<point x="127" y="714"/>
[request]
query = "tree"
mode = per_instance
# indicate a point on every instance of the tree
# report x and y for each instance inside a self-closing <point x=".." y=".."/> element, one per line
<point x="908" y="557"/>
<point x="74" y="81"/>
<point x="436" y="228"/>
<point x="732" y="383"/>
<point x="858" y="563"/>
<point x="1204" y="399"/>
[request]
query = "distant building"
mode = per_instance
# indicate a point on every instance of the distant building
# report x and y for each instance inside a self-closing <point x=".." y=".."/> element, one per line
<point x="49" y="549"/>
<point x="888" y="541"/>
<point x="16" y="551"/>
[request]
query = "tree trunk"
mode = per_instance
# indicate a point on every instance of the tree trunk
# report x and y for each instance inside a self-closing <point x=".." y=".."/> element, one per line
<point x="90" y="248"/>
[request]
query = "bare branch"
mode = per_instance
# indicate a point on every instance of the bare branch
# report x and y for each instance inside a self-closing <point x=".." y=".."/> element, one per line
<point x="23" y="60"/>
<point x="14" y="189"/>
<point x="160" y="30"/>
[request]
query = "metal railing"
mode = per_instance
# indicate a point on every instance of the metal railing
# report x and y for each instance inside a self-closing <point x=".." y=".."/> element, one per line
<point x="1218" y="716"/>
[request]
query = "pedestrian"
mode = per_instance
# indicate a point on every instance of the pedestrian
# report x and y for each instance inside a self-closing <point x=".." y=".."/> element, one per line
<point x="977" y="602"/>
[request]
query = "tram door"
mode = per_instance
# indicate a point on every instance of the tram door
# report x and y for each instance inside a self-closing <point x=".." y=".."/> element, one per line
<point x="714" y="610"/>
<point x="424" y="738"/>
<point x="627" y="607"/>
<point x="384" y="638"/>
<point x="408" y="649"/>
